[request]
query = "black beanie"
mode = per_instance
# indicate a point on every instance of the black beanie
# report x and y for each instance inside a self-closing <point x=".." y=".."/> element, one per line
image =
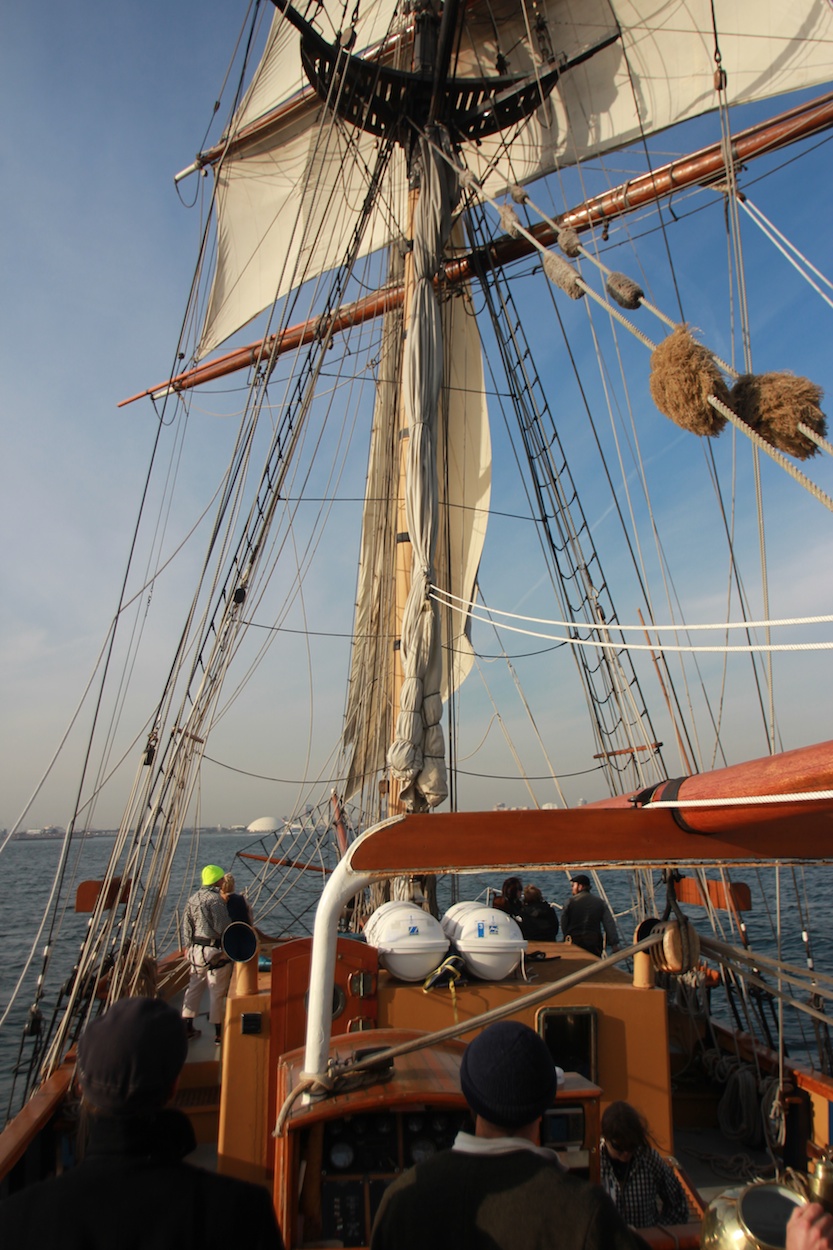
<point x="129" y="1058"/>
<point x="507" y="1075"/>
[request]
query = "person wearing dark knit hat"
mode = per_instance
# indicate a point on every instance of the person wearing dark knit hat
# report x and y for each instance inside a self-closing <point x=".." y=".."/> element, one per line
<point x="497" y="1188"/>
<point x="585" y="916"/>
<point x="130" y="1058"/>
<point x="133" y="1188"/>
<point x="203" y="925"/>
<point x="507" y="1075"/>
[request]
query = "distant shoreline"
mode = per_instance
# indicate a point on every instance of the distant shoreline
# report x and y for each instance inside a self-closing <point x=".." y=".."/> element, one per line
<point x="57" y="835"/>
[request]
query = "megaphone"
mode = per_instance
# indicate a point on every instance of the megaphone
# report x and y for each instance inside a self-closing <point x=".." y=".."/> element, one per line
<point x="239" y="942"/>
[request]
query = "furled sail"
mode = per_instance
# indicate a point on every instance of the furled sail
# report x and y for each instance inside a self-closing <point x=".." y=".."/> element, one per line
<point x="464" y="492"/>
<point x="417" y="754"/>
<point x="283" y="170"/>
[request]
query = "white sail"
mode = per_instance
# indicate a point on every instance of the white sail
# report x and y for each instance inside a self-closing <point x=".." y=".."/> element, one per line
<point x="290" y="186"/>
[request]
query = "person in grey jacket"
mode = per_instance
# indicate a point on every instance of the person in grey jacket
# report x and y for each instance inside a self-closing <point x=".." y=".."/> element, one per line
<point x="203" y="925"/>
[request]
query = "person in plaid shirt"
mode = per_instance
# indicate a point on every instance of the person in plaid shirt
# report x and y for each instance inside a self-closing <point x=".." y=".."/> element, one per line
<point x="640" y="1182"/>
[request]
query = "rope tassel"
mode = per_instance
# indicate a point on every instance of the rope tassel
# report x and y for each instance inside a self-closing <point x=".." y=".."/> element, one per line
<point x="684" y="375"/>
<point x="775" y="404"/>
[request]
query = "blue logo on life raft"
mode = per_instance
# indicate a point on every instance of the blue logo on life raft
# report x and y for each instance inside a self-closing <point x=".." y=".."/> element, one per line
<point x="490" y="929"/>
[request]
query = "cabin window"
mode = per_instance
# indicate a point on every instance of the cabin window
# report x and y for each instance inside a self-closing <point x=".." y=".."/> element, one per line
<point x="571" y="1035"/>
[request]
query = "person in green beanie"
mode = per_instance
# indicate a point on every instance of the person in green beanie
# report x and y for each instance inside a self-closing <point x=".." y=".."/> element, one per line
<point x="204" y="923"/>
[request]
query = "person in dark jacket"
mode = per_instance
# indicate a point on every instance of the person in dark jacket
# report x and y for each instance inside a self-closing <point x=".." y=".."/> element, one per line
<point x="539" y="920"/>
<point x="585" y="916"/>
<point x="498" y="1188"/>
<point x="511" y="898"/>
<point x="133" y="1190"/>
<point x="237" y="905"/>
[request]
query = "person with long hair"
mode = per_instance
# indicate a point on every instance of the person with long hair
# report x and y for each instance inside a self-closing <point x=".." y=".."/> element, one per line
<point x="511" y="898"/>
<point x="643" y="1187"/>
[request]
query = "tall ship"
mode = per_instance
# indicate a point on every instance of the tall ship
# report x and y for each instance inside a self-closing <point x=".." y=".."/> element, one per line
<point x="522" y="523"/>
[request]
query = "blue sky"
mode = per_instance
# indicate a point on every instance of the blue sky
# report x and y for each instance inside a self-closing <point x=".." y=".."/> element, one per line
<point x="104" y="102"/>
<point x="109" y="100"/>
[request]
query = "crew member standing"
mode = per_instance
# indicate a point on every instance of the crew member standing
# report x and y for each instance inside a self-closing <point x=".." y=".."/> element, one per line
<point x="585" y="916"/>
<point x="206" y="920"/>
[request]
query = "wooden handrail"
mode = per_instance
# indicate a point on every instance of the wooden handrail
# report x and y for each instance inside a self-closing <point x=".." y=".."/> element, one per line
<point x="41" y="1108"/>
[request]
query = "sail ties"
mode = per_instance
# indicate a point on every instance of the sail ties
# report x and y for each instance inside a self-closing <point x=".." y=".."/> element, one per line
<point x="417" y="755"/>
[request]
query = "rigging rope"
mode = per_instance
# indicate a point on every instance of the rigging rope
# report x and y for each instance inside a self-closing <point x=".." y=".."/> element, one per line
<point x="440" y="595"/>
<point x="563" y="531"/>
<point x="773" y="453"/>
<point x="787" y="249"/>
<point x="652" y="628"/>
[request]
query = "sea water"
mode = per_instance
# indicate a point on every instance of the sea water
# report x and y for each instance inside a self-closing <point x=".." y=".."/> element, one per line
<point x="29" y="870"/>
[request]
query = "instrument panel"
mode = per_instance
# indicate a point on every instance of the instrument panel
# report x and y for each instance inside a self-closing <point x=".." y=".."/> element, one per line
<point x="361" y="1154"/>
